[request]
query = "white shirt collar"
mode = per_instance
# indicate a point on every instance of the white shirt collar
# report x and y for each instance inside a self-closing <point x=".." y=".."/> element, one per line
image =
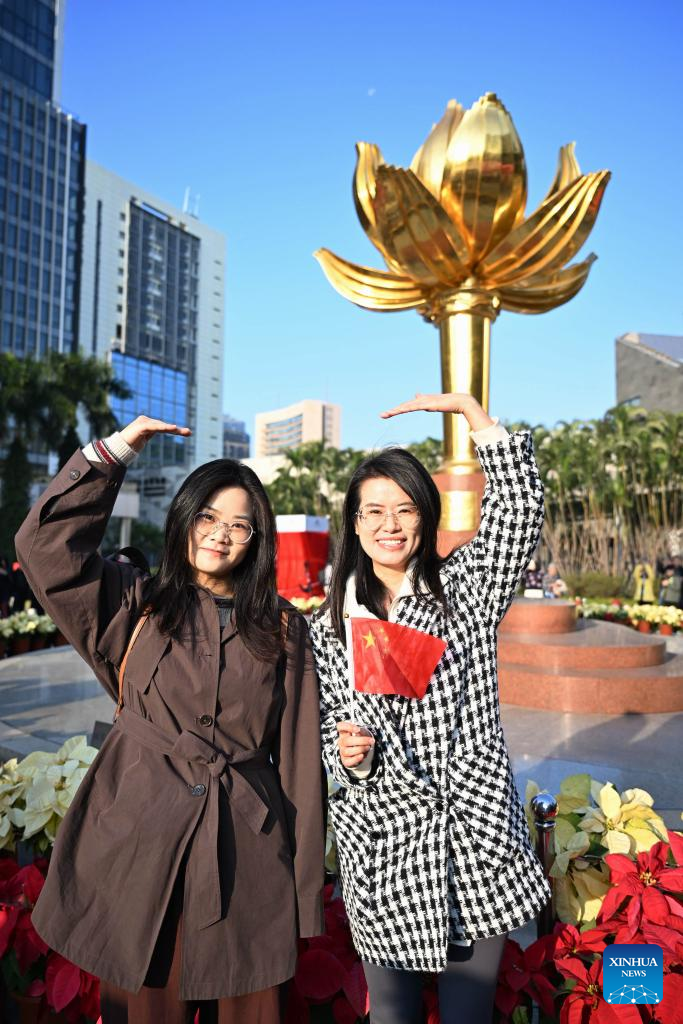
<point x="354" y="609"/>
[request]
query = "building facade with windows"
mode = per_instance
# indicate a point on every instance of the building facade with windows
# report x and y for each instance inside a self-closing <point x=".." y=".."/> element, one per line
<point x="649" y="371"/>
<point x="42" y="163"/>
<point x="294" y="425"/>
<point x="152" y="302"/>
<point x="236" y="440"/>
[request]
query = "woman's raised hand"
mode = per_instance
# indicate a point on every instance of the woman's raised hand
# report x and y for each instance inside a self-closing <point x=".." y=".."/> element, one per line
<point x="354" y="743"/>
<point x="462" y="403"/>
<point x="139" y="432"/>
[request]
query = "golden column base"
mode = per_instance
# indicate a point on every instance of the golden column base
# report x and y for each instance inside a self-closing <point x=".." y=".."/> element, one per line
<point x="460" y="505"/>
<point x="464" y="320"/>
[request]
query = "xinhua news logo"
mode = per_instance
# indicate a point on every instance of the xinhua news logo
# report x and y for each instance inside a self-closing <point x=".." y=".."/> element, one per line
<point x="632" y="973"/>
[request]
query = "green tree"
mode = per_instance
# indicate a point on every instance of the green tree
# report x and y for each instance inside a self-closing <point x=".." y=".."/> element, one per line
<point x="16" y="486"/>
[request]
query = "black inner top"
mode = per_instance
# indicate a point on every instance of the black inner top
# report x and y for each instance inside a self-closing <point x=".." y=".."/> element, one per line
<point x="225" y="606"/>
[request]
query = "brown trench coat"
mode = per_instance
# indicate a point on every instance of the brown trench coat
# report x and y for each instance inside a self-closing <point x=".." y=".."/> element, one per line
<point x="211" y="774"/>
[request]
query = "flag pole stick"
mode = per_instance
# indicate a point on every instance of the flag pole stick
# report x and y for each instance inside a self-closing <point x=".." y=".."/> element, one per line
<point x="349" y="660"/>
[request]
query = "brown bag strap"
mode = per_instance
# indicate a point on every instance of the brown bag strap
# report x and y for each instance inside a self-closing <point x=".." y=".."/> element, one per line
<point x="134" y="635"/>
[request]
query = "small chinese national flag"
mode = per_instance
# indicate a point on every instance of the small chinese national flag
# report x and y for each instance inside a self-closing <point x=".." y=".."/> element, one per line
<point x="389" y="658"/>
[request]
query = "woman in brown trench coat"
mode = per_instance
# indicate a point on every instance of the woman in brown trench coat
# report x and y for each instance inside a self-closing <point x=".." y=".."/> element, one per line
<point x="191" y="859"/>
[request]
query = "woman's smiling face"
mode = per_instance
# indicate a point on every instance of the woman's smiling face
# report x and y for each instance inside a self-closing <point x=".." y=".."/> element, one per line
<point x="214" y="554"/>
<point x="390" y="542"/>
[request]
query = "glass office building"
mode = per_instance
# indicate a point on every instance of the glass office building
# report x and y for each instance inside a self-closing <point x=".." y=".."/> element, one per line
<point x="159" y="391"/>
<point x="152" y="303"/>
<point x="42" y="166"/>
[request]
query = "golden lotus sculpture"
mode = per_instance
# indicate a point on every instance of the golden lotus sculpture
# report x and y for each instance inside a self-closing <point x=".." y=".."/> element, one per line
<point x="459" y="248"/>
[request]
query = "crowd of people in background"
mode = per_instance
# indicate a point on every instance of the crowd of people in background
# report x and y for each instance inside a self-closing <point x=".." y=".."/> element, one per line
<point x="538" y="583"/>
<point x="647" y="584"/>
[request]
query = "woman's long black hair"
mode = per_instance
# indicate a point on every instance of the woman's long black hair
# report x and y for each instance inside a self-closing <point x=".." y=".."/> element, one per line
<point x="408" y="472"/>
<point x="171" y="595"/>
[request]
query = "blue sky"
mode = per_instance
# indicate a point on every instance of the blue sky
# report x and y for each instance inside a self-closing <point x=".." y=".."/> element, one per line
<point x="258" y="106"/>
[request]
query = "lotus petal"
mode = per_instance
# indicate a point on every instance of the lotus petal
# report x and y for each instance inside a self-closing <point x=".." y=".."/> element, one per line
<point x="369" y="288"/>
<point x="364" y="187"/>
<point x="416" y="230"/>
<point x="430" y="160"/>
<point x="540" y="293"/>
<point x="484" y="182"/>
<point x="550" y="236"/>
<point x="568" y="170"/>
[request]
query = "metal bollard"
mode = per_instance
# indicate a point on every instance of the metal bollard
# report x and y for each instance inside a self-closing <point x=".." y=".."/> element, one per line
<point x="544" y="810"/>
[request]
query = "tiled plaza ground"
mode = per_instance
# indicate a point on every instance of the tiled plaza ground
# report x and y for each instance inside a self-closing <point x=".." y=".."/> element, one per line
<point x="50" y="695"/>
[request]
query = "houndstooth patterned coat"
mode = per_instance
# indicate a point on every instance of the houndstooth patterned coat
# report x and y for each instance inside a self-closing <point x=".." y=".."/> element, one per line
<point x="433" y="847"/>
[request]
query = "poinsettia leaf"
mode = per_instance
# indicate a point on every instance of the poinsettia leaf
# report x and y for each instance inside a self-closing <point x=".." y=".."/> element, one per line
<point x="319" y="974"/>
<point x="32" y="882"/>
<point x="544" y="993"/>
<point x="572" y="967"/>
<point x="356" y="990"/>
<point x="8" y="921"/>
<point x="27" y="943"/>
<point x="62" y="982"/>
<point x="343" y="1012"/>
<point x="676" y="844"/>
<point x="655" y="906"/>
<point x="670" y="1009"/>
<point x="672" y="879"/>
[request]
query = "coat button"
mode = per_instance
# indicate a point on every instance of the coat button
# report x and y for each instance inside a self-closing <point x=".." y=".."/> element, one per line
<point x="198" y="790"/>
<point x="74" y="474"/>
<point x="206" y="720"/>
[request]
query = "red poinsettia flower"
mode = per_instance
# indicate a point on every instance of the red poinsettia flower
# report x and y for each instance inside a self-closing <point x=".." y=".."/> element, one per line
<point x="526" y="971"/>
<point x="646" y="884"/>
<point x="584" y="1004"/>
<point x="569" y="941"/>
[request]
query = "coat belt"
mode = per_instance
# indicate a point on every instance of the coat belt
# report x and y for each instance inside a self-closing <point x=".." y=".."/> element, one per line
<point x="189" y="747"/>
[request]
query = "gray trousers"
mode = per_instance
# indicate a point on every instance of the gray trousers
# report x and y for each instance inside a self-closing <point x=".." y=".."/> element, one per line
<point x="466" y="988"/>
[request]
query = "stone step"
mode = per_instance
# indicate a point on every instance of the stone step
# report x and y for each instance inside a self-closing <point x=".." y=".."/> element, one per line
<point x="612" y="691"/>
<point x="593" y="644"/>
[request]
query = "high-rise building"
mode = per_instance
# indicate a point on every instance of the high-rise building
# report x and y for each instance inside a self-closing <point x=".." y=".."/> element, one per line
<point x="42" y="160"/>
<point x="236" y="440"/>
<point x="309" y="420"/>
<point x="649" y="371"/>
<point x="152" y="302"/>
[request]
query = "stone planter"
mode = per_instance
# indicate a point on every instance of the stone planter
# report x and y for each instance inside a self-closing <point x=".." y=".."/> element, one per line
<point x="33" y="1011"/>
<point x="21" y="644"/>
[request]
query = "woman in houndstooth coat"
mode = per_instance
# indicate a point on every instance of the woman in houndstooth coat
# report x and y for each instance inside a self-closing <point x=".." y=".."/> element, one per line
<point x="435" y="858"/>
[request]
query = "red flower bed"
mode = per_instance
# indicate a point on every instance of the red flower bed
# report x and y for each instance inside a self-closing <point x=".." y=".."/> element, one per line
<point x="29" y="967"/>
<point x="562" y="973"/>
